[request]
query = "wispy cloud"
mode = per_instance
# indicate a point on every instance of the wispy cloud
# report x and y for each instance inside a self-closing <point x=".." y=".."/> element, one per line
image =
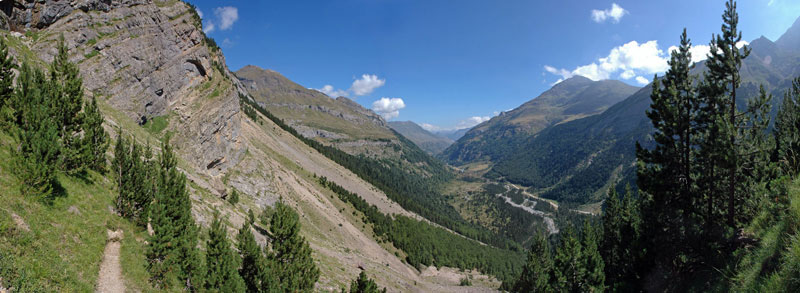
<point x="224" y="17"/>
<point x="464" y="123"/>
<point x="615" y="13"/>
<point x="332" y="92"/>
<point x="388" y="107"/>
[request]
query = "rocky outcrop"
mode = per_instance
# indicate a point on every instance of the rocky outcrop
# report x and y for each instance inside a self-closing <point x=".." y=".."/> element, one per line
<point x="146" y="59"/>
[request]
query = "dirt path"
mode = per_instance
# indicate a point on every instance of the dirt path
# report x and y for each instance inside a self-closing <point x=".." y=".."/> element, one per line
<point x="110" y="279"/>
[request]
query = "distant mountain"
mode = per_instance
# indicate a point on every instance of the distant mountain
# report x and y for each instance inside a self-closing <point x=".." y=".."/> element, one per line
<point x="577" y="161"/>
<point x="574" y="98"/>
<point x="429" y="142"/>
<point x="452" y="134"/>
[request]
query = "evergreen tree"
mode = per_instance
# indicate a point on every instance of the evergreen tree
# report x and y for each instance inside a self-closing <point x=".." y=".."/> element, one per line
<point x="221" y="265"/>
<point x="537" y="274"/>
<point x="233" y="197"/>
<point x="95" y="139"/>
<point x="135" y="179"/>
<point x="721" y="81"/>
<point x="38" y="151"/>
<point x="620" y="246"/>
<point x="666" y="173"/>
<point x="6" y="83"/>
<point x="569" y="267"/>
<point x="787" y="131"/>
<point x="67" y="104"/>
<point x="173" y="247"/>
<point x="291" y="254"/>
<point x="364" y="284"/>
<point x="592" y="261"/>
<point x="252" y="269"/>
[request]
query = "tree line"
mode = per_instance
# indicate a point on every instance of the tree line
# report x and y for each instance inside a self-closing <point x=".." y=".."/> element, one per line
<point x="427" y="245"/>
<point x="713" y="171"/>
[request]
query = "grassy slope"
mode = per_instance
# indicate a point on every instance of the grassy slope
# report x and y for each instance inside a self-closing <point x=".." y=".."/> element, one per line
<point x="63" y="249"/>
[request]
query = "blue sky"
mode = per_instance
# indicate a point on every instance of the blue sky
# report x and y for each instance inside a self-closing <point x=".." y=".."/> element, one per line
<point x="449" y="64"/>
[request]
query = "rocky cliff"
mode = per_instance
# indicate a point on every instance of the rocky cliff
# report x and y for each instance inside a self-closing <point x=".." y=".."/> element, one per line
<point x="146" y="59"/>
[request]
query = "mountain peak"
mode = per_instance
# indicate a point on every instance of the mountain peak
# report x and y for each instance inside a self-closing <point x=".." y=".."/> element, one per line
<point x="791" y="38"/>
<point x="576" y="79"/>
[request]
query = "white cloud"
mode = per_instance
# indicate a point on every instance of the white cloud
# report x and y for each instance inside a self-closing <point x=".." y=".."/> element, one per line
<point x="227" y="16"/>
<point x="630" y="60"/>
<point x="700" y="52"/>
<point x="641" y="80"/>
<point x="388" y="107"/>
<point x="366" y="84"/>
<point x="331" y="91"/>
<point x="472" y="121"/>
<point x="209" y="27"/>
<point x="615" y="14"/>
<point x="224" y="17"/>
<point x="466" y="123"/>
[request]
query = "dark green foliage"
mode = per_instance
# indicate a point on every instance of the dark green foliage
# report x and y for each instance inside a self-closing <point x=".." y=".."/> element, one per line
<point x="95" y="139"/>
<point x="221" y="265"/>
<point x="233" y="198"/>
<point x="6" y="83"/>
<point x="787" y="130"/>
<point x="592" y="261"/>
<point x="291" y="254"/>
<point x="364" y="284"/>
<point x="136" y="173"/>
<point x="425" y="244"/>
<point x="247" y="108"/>
<point x="621" y="244"/>
<point x="537" y="273"/>
<point x="67" y="103"/>
<point x="414" y="192"/>
<point x="465" y="281"/>
<point x="172" y="251"/>
<point x="39" y="149"/>
<point x="569" y="270"/>
<point x="255" y="270"/>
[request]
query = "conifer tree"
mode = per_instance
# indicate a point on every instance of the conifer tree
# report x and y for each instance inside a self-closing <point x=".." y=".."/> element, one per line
<point x="621" y="245"/>
<point x="6" y="83"/>
<point x="592" y="261"/>
<point x="537" y="273"/>
<point x="38" y="151"/>
<point x="666" y="174"/>
<point x="221" y="265"/>
<point x="364" y="284"/>
<point x="66" y="104"/>
<point x="172" y="248"/>
<point x="291" y="254"/>
<point x="721" y="81"/>
<point x="787" y="131"/>
<point x="568" y="265"/>
<point x="95" y="139"/>
<point x="252" y="259"/>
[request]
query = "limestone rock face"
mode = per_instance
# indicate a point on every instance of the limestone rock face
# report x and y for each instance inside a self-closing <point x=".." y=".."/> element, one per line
<point x="146" y="59"/>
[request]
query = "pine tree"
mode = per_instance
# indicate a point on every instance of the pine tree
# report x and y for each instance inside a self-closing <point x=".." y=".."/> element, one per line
<point x="66" y="104"/>
<point x="593" y="262"/>
<point x="95" y="139"/>
<point x="233" y="197"/>
<point x="6" y="83"/>
<point x="290" y="251"/>
<point x="787" y="131"/>
<point x="252" y="259"/>
<point x="364" y="284"/>
<point x="38" y="151"/>
<point x="173" y="247"/>
<point x="537" y="273"/>
<point x="666" y="174"/>
<point x="569" y="266"/>
<point x="721" y="82"/>
<point x="621" y="244"/>
<point x="221" y="265"/>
